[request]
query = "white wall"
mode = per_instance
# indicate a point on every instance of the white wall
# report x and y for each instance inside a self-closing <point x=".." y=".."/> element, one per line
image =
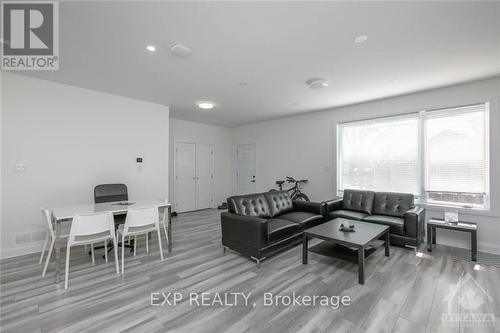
<point x="220" y="138"/>
<point x="72" y="139"/>
<point x="305" y="146"/>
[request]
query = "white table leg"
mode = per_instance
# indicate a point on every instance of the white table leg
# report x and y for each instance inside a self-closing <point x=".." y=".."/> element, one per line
<point x="58" y="250"/>
<point x="170" y="238"/>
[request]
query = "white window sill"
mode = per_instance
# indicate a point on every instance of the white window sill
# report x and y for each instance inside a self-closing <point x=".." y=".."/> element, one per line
<point x="460" y="210"/>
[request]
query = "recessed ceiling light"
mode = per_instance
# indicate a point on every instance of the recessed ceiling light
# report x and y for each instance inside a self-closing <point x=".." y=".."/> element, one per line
<point x="317" y="83"/>
<point x="360" y="39"/>
<point x="395" y="80"/>
<point x="477" y="267"/>
<point x="151" y="48"/>
<point x="205" y="105"/>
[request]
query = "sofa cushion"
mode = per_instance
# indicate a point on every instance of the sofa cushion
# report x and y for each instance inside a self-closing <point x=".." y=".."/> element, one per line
<point x="279" y="202"/>
<point x="304" y="219"/>
<point x="249" y="205"/>
<point x="278" y="229"/>
<point x="359" y="201"/>
<point x="392" y="204"/>
<point x="396" y="224"/>
<point x="347" y="214"/>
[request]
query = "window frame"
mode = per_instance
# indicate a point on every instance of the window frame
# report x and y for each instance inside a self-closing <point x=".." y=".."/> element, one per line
<point x="422" y="196"/>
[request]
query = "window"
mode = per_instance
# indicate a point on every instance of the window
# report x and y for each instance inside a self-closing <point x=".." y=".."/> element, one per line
<point x="380" y="154"/>
<point x="441" y="156"/>
<point x="456" y="146"/>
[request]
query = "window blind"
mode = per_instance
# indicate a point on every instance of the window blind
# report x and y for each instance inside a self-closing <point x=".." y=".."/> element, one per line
<point x="456" y="153"/>
<point x="379" y="154"/>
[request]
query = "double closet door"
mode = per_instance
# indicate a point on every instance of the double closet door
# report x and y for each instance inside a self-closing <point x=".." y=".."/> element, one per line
<point x="193" y="176"/>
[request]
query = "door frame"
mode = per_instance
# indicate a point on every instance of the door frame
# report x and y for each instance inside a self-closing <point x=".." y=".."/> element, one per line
<point x="257" y="165"/>
<point x="176" y="141"/>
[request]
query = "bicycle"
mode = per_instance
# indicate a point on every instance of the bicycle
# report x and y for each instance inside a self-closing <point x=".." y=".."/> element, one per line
<point x="295" y="191"/>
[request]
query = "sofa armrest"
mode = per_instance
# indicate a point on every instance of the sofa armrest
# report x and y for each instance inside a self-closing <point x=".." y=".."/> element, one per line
<point x="248" y="230"/>
<point x="414" y="222"/>
<point x="310" y="206"/>
<point x="333" y="205"/>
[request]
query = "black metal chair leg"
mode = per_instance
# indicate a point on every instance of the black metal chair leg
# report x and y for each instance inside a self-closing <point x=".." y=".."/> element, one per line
<point x="110" y="247"/>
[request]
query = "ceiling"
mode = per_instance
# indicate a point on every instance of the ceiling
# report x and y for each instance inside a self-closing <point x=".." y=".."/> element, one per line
<point x="273" y="47"/>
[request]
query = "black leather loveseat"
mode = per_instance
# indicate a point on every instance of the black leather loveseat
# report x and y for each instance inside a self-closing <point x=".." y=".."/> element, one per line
<point x="259" y="224"/>
<point x="397" y="210"/>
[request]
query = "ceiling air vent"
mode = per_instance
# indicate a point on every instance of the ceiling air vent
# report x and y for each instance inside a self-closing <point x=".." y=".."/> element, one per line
<point x="180" y="50"/>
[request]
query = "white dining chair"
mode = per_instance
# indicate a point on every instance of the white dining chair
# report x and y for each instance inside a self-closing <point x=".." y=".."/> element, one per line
<point x="63" y="233"/>
<point x="89" y="229"/>
<point x="163" y="214"/>
<point x="140" y="221"/>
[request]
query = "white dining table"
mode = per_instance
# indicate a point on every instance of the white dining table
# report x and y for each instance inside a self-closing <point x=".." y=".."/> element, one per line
<point x="67" y="213"/>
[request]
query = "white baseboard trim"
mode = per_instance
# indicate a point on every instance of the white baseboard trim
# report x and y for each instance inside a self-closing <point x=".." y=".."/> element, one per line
<point x="482" y="247"/>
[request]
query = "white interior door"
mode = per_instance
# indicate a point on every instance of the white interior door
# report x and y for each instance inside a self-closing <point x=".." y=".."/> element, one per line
<point x="203" y="176"/>
<point x="246" y="156"/>
<point x="185" y="178"/>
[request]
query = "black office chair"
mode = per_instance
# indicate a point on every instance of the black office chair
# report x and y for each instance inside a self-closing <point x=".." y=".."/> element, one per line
<point x="112" y="193"/>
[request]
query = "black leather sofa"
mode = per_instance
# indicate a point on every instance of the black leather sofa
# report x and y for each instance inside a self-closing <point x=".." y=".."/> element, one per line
<point x="257" y="225"/>
<point x="397" y="210"/>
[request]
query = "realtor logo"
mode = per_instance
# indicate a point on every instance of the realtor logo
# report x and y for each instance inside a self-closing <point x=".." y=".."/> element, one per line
<point x="30" y="35"/>
<point x="468" y="305"/>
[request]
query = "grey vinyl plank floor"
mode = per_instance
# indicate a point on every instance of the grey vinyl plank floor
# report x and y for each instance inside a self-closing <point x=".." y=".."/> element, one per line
<point x="402" y="293"/>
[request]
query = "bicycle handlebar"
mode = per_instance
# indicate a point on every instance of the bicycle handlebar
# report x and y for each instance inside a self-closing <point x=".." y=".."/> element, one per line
<point x="292" y="180"/>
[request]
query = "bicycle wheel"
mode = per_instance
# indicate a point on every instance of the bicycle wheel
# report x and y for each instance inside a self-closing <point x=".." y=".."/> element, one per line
<point x="301" y="196"/>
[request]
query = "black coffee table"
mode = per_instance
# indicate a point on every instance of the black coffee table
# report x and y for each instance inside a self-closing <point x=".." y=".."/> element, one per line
<point x="360" y="239"/>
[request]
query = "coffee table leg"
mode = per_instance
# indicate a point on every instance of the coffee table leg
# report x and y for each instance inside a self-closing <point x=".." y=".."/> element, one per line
<point x="433" y="235"/>
<point x="473" y="238"/>
<point x="361" y="265"/>
<point x="429" y="238"/>
<point x="304" y="248"/>
<point x="387" y="243"/>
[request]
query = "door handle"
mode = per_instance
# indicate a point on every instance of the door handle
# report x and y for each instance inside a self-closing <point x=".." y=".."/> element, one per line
<point x="252" y="181"/>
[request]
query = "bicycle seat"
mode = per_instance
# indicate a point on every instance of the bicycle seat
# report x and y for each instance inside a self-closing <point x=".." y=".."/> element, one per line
<point x="302" y="181"/>
<point x="280" y="182"/>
